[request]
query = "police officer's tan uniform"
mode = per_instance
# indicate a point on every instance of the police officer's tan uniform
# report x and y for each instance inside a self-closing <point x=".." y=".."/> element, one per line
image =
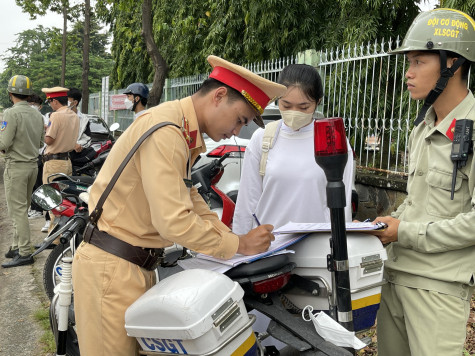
<point x="150" y="206"/>
<point x="21" y="135"/>
<point x="63" y="127"/>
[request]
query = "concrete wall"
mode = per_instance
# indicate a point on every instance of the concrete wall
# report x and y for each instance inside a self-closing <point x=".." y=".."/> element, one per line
<point x="378" y="195"/>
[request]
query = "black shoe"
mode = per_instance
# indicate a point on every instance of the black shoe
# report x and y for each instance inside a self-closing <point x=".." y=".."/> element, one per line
<point x="19" y="260"/>
<point x="50" y="246"/>
<point x="11" y="253"/>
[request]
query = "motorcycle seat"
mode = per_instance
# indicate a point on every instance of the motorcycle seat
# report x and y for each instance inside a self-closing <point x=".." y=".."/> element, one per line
<point x="262" y="266"/>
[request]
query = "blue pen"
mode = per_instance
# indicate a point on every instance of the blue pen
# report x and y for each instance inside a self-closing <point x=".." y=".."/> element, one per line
<point x="367" y="220"/>
<point x="257" y="220"/>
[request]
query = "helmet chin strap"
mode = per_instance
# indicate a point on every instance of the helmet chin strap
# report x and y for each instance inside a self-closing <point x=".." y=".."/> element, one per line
<point x="445" y="75"/>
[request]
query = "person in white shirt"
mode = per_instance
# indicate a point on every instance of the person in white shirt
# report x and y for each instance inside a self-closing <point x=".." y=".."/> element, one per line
<point x="84" y="137"/>
<point x="288" y="185"/>
<point x="136" y="100"/>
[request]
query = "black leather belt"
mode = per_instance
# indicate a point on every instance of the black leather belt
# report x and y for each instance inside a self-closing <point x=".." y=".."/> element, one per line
<point x="56" y="156"/>
<point x="148" y="258"/>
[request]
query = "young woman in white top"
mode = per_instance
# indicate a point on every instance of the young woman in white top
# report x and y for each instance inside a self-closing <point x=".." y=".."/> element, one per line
<point x="293" y="187"/>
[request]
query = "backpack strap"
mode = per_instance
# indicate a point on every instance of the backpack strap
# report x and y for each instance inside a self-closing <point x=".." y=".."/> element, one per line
<point x="268" y="141"/>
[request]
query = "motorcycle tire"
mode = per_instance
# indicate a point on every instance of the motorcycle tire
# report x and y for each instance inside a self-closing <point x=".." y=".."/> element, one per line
<point x="52" y="268"/>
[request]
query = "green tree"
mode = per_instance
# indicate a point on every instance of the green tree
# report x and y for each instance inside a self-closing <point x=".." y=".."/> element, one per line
<point x="63" y="7"/>
<point x="243" y="31"/>
<point x="37" y="54"/>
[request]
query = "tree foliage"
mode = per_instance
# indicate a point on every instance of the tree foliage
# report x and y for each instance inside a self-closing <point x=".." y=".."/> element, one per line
<point x="37" y="54"/>
<point x="243" y="31"/>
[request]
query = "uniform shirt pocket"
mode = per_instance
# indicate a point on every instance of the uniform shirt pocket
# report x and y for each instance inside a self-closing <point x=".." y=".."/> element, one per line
<point x="439" y="189"/>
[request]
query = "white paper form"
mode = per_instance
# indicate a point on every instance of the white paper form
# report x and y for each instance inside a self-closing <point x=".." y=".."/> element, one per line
<point x="281" y="242"/>
<point x="192" y="263"/>
<point x="292" y="228"/>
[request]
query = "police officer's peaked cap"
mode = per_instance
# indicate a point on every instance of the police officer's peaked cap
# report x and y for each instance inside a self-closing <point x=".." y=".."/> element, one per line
<point x="258" y="91"/>
<point x="55" y="92"/>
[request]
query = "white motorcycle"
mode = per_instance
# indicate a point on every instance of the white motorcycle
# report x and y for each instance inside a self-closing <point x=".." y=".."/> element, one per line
<point x="201" y="312"/>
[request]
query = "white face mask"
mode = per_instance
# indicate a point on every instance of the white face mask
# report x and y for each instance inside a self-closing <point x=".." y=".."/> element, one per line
<point x="296" y="119"/>
<point x="128" y="104"/>
<point x="71" y="105"/>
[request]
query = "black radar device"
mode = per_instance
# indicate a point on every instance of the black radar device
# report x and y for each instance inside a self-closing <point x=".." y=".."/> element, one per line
<point x="461" y="148"/>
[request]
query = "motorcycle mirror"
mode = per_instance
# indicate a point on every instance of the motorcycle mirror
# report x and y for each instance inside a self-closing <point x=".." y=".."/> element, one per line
<point x="47" y="197"/>
<point x="114" y="126"/>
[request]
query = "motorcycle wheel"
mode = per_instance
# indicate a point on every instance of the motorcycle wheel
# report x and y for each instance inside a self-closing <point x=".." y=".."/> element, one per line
<point x="52" y="269"/>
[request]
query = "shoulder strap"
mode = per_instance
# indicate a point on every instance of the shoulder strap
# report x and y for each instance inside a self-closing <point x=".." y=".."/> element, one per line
<point x="268" y="141"/>
<point x="96" y="214"/>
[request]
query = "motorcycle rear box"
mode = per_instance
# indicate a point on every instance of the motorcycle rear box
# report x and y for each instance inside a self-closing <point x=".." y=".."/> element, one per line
<point x="366" y="256"/>
<point x="192" y="312"/>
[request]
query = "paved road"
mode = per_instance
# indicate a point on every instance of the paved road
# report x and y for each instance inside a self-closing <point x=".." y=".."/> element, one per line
<point x="21" y="291"/>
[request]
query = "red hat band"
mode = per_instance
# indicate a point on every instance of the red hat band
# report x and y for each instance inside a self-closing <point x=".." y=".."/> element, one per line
<point x="56" y="94"/>
<point x="256" y="97"/>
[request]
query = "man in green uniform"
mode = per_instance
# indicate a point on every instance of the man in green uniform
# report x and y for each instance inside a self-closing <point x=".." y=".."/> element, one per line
<point x="431" y="252"/>
<point x="21" y="135"/>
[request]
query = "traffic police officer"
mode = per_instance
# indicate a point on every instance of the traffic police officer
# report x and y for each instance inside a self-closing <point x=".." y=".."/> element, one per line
<point x="61" y="134"/>
<point x="431" y="252"/>
<point x="21" y="135"/>
<point x="152" y="205"/>
<point x="136" y="100"/>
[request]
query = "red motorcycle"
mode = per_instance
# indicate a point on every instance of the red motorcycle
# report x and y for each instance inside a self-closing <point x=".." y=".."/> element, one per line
<point x="205" y="179"/>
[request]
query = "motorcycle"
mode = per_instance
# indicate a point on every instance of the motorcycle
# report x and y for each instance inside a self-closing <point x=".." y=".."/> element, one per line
<point x="63" y="198"/>
<point x="97" y="153"/>
<point x="205" y="178"/>
<point x="283" y="288"/>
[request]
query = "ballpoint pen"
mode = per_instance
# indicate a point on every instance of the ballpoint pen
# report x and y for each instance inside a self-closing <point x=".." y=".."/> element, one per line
<point x="257" y="220"/>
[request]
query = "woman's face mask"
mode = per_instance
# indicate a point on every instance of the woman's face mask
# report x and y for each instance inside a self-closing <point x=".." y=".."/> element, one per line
<point x="296" y="119"/>
<point x="296" y="108"/>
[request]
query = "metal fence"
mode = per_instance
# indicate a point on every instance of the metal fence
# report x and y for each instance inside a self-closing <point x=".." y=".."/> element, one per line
<point x="366" y="87"/>
<point x="362" y="84"/>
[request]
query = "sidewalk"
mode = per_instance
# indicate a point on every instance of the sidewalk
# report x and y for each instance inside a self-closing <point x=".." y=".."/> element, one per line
<point x="21" y="291"/>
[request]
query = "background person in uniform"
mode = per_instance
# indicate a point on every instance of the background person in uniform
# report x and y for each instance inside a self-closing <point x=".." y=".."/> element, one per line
<point x="21" y="135"/>
<point x="35" y="210"/>
<point x="136" y="100"/>
<point x="431" y="252"/>
<point x="61" y="133"/>
<point x="153" y="206"/>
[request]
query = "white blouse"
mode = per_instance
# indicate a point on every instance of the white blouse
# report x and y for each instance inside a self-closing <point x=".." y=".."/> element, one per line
<point x="293" y="187"/>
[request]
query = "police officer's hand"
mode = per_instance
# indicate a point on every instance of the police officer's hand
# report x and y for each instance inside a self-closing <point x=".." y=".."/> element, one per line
<point x="78" y="148"/>
<point x="389" y="234"/>
<point x="256" y="241"/>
